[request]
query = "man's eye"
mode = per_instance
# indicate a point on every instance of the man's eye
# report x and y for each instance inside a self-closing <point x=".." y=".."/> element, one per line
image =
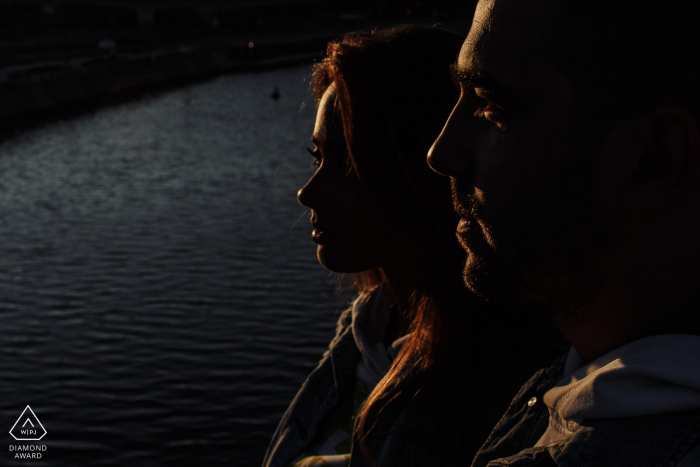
<point x="490" y="111"/>
<point x="482" y="107"/>
<point x="477" y="103"/>
<point x="318" y="159"/>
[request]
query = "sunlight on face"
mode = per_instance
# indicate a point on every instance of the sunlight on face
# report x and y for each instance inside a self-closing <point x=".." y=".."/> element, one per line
<point x="347" y="227"/>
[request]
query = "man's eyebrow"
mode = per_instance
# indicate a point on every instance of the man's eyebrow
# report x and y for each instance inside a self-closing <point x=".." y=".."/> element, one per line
<point x="472" y="79"/>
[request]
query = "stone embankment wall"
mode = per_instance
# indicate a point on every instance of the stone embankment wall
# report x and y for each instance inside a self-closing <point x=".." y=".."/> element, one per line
<point x="26" y="94"/>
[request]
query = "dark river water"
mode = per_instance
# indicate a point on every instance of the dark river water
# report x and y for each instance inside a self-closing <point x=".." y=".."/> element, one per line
<point x="160" y="299"/>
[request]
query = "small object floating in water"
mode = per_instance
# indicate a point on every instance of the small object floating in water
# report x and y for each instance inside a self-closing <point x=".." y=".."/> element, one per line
<point x="275" y="94"/>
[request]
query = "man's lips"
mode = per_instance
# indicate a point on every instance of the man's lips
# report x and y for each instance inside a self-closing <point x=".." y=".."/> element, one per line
<point x="463" y="213"/>
<point x="466" y="222"/>
<point x="464" y="225"/>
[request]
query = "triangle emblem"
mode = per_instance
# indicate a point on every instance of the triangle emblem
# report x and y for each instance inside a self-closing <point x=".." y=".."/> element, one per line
<point x="28" y="427"/>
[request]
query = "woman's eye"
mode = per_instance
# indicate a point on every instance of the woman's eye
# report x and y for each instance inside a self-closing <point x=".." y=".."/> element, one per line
<point x="318" y="159"/>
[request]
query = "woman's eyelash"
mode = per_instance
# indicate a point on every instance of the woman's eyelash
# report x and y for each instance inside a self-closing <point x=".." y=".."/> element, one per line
<point x="317" y="157"/>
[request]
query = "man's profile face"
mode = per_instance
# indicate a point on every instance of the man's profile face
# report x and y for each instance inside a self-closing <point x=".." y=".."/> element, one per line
<point x="522" y="186"/>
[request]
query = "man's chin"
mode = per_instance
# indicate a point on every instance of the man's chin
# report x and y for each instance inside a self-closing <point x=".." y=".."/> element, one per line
<point x="489" y="283"/>
<point x="473" y="275"/>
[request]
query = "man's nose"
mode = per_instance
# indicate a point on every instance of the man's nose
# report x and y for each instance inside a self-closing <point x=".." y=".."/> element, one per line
<point x="452" y="152"/>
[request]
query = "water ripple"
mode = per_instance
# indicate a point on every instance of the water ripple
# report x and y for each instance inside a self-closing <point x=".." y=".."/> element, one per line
<point x="159" y="295"/>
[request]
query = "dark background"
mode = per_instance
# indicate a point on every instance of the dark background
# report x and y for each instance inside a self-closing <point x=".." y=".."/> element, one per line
<point x="63" y="56"/>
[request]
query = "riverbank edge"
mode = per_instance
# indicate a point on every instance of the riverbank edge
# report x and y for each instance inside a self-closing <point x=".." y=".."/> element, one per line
<point x="40" y="96"/>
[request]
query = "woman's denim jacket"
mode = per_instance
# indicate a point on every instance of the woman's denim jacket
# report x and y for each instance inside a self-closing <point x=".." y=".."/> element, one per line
<point x="402" y="435"/>
<point x="656" y="440"/>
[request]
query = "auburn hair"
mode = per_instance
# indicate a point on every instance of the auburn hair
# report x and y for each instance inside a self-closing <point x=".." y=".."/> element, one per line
<point x="395" y="93"/>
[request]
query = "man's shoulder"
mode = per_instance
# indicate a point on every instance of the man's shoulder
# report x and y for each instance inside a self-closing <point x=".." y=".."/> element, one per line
<point x="670" y="439"/>
<point x="524" y="421"/>
<point x="534" y="457"/>
<point x="666" y="439"/>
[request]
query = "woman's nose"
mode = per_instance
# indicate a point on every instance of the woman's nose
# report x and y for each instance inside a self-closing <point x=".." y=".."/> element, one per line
<point x="304" y="195"/>
<point x="317" y="194"/>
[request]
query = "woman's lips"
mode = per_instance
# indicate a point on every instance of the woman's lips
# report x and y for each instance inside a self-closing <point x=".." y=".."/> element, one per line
<point x="322" y="236"/>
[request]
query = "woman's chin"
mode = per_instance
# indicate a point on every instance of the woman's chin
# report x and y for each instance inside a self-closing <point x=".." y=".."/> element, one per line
<point x="342" y="261"/>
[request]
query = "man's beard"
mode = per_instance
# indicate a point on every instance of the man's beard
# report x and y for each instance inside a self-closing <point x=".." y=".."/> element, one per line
<point x="545" y="255"/>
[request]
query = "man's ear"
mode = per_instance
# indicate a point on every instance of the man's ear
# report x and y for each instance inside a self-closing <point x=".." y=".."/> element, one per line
<point x="668" y="140"/>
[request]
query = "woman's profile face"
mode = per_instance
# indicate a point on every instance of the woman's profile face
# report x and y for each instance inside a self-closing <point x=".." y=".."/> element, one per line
<point x="347" y="226"/>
